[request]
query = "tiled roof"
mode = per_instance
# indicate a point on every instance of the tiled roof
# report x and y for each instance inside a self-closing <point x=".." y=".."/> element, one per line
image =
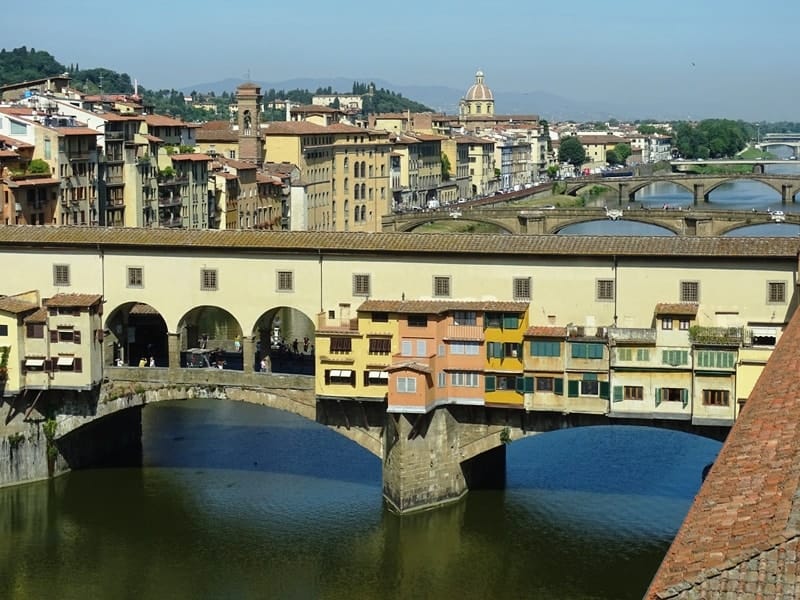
<point x="76" y="131"/>
<point x="542" y="331"/>
<point x="18" y="144"/>
<point x="439" y="306"/>
<point x="143" y="309"/>
<point x="471" y="139"/>
<point x="239" y="165"/>
<point x="112" y="116"/>
<point x="70" y="300"/>
<point x="152" y="138"/>
<point x="294" y="128"/>
<point x="669" y="248"/>
<point x="676" y="308"/>
<point x="32" y="182"/>
<point x="600" y="139"/>
<point x="14" y="305"/>
<point x="39" y="316"/>
<point x="409" y="365"/>
<point x="740" y="538"/>
<point x="197" y="157"/>
<point x="216" y="135"/>
<point x="162" y="121"/>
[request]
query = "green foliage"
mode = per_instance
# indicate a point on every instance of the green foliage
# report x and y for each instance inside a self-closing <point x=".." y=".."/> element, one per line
<point x="49" y="429"/>
<point x="552" y="171"/>
<point x="712" y="138"/>
<point x="4" y="353"/>
<point x="166" y="173"/>
<point x="445" y="167"/>
<point x="39" y="167"/>
<point x="612" y="158"/>
<point x="572" y="151"/>
<point x="505" y="435"/>
<point x="21" y="64"/>
<point x="623" y="151"/>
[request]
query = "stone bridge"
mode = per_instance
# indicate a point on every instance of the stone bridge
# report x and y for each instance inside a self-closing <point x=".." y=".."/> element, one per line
<point x="682" y="222"/>
<point x="428" y="459"/>
<point x="700" y="186"/>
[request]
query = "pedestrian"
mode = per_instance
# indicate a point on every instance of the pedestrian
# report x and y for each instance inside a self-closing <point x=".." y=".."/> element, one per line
<point x="152" y="361"/>
<point x="305" y="344"/>
<point x="264" y="365"/>
<point x="296" y="346"/>
<point x="237" y="344"/>
<point x="143" y="362"/>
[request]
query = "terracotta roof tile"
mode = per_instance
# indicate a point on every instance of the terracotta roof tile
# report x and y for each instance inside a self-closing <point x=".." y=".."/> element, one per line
<point x="39" y="316"/>
<point x="744" y="523"/>
<point x="294" y="128"/>
<point x="76" y="131"/>
<point x="677" y="308"/>
<point x="143" y="309"/>
<point x="543" y="331"/>
<point x="162" y="121"/>
<point x="197" y="157"/>
<point x="10" y="304"/>
<point x="76" y="300"/>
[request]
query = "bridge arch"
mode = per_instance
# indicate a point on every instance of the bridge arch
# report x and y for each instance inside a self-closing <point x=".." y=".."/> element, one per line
<point x="210" y="327"/>
<point x="412" y="224"/>
<point x="135" y="330"/>
<point x="593" y="219"/>
<point x="677" y="183"/>
<point x="572" y="190"/>
<point x="714" y="186"/>
<point x="275" y="332"/>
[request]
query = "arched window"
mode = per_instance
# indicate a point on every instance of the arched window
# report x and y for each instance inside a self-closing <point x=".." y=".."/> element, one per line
<point x="346" y="185"/>
<point x="363" y="191"/>
<point x="355" y="169"/>
<point x="355" y="192"/>
<point x="370" y="170"/>
<point x="355" y="214"/>
<point x="346" y="163"/>
<point x="363" y="212"/>
<point x="363" y="168"/>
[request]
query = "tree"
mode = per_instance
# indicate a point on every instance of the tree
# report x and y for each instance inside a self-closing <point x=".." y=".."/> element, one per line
<point x="612" y="157"/>
<point x="445" y="167"/>
<point x="552" y="171"/>
<point x="623" y="151"/>
<point x="572" y="151"/>
<point x="39" y="167"/>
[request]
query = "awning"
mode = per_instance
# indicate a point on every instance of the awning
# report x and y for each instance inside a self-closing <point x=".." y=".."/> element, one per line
<point x="378" y="375"/>
<point x="764" y="332"/>
<point x="336" y="373"/>
<point x="65" y="361"/>
<point x="345" y="373"/>
<point x="34" y="362"/>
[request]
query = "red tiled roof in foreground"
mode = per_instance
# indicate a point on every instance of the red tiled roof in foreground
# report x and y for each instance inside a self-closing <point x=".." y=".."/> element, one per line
<point x="741" y="536"/>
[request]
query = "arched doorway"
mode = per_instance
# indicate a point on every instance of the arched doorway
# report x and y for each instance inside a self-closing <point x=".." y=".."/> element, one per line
<point x="136" y="331"/>
<point x="286" y="336"/>
<point x="214" y="330"/>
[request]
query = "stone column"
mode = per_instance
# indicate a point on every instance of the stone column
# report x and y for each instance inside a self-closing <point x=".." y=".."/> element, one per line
<point x="248" y="353"/>
<point x="699" y="193"/>
<point x="174" y="350"/>
<point x="422" y="466"/>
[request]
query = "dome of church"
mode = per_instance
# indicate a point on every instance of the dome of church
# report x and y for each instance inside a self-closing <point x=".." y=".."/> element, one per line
<point x="479" y="90"/>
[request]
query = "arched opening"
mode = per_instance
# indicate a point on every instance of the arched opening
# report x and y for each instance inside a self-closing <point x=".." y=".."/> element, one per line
<point x="210" y="336"/>
<point x="134" y="332"/>
<point x="285" y="336"/>
<point x="619" y="227"/>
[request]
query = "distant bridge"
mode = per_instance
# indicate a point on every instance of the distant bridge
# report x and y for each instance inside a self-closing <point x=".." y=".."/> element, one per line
<point x="691" y="222"/>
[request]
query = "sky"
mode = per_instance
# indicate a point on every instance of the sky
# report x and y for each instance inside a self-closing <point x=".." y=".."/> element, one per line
<point x="687" y="58"/>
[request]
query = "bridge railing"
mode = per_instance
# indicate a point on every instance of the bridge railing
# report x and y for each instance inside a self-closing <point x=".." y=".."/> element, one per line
<point x="166" y="376"/>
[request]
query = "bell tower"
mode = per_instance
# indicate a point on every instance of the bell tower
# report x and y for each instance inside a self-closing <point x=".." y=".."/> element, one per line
<point x="251" y="143"/>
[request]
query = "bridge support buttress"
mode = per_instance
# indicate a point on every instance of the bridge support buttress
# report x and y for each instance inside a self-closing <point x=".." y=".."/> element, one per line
<point x="699" y="193"/>
<point x="174" y="350"/>
<point x="249" y="353"/>
<point x="422" y="466"/>
<point x="787" y="194"/>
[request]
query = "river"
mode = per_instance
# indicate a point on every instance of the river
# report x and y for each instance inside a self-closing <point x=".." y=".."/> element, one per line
<point x="736" y="195"/>
<point x="241" y="501"/>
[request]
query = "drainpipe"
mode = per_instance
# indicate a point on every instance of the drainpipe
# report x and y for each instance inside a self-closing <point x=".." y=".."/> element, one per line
<point x="615" y="289"/>
<point x="319" y="253"/>
<point x="102" y="301"/>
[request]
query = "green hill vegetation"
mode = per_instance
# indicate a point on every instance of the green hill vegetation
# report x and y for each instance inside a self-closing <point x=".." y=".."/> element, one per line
<point x="23" y="64"/>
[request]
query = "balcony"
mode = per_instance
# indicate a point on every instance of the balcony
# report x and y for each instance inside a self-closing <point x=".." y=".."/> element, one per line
<point x="464" y="332"/>
<point x="340" y="324"/>
<point x="171" y="222"/>
<point x="630" y="335"/>
<point x="115" y="135"/>
<point x="175" y="180"/>
<point x="115" y="181"/>
<point x="716" y="336"/>
<point x="169" y="201"/>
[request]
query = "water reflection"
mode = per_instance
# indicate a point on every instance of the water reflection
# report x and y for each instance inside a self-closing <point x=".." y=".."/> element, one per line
<point x="239" y="501"/>
<point x="609" y="227"/>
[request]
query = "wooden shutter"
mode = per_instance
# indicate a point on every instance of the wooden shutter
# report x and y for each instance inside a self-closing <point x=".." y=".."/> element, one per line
<point x="658" y="396"/>
<point x="519" y="384"/>
<point x="48" y="364"/>
<point x="685" y="397"/>
<point x="558" y="386"/>
<point x="572" y="388"/>
<point x="53" y="336"/>
<point x="490" y="384"/>
<point x="617" y="393"/>
<point x="78" y="365"/>
<point x="76" y="336"/>
<point x="604" y="388"/>
<point x="528" y="384"/>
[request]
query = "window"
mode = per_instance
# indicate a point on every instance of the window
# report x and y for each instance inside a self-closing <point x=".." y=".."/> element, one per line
<point x="522" y="288"/>
<point x="34" y="330"/>
<point x="441" y="287"/>
<point x="643" y="354"/>
<point x="285" y="281"/>
<point x="542" y="348"/>
<point x="341" y="345"/>
<point x="506" y="382"/>
<point x="666" y="323"/>
<point x="406" y="385"/>
<point x="376" y="378"/>
<point x="544" y="384"/>
<point x="716" y="397"/>
<point x="633" y="392"/>
<point x="624" y="353"/>
<point x="690" y="291"/>
<point x="465" y="348"/>
<point x="135" y="277"/>
<point x="340" y="376"/>
<point x="605" y="289"/>
<point x="380" y="345"/>
<point x="719" y="359"/>
<point x="65" y="335"/>
<point x="675" y="358"/>
<point x="493" y="320"/>
<point x="684" y="325"/>
<point x="465" y="318"/>
<point x="208" y="279"/>
<point x="459" y="379"/>
<point x="3" y="330"/>
<point x="442" y="379"/>
<point x="590" y="387"/>
<point x="776" y="292"/>
<point x="380" y="317"/>
<point x="417" y="320"/>
<point x="587" y="350"/>
<point x="61" y="275"/>
<point x="672" y="395"/>
<point x="361" y="285"/>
